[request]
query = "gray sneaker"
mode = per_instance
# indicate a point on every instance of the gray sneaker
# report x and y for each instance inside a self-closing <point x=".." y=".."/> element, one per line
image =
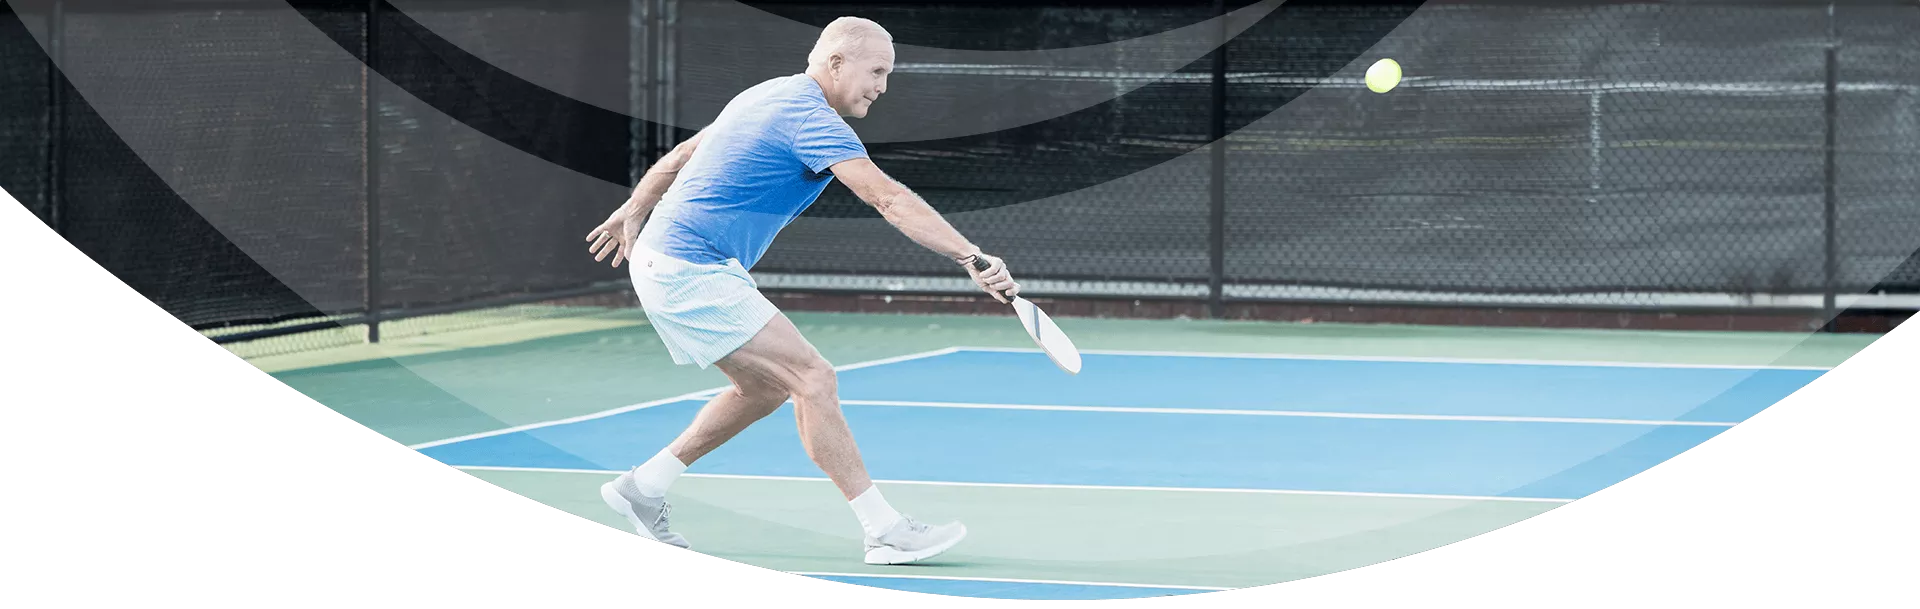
<point x="911" y="541"/>
<point x="647" y="515"/>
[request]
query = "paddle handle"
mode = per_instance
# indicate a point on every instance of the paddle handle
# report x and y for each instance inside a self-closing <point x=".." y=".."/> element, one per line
<point x="980" y="264"/>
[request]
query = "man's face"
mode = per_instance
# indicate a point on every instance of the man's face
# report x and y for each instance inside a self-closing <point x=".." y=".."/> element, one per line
<point x="862" y="77"/>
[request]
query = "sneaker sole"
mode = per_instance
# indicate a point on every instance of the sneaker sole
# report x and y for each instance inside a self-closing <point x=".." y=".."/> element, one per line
<point x="620" y="505"/>
<point x="890" y="556"/>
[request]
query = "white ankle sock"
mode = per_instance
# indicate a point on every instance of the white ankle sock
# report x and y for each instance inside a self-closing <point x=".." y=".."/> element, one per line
<point x="658" y="473"/>
<point x="876" y="517"/>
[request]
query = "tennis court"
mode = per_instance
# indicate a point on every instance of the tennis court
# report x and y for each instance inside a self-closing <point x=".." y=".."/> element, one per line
<point x="1187" y="456"/>
<point x="382" y="205"/>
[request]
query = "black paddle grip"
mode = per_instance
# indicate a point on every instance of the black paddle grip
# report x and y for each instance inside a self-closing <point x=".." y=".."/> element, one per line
<point x="980" y="264"/>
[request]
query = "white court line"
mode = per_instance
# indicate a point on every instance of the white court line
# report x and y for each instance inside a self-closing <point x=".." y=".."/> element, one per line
<point x="678" y="398"/>
<point x="584" y="417"/>
<point x="1005" y="580"/>
<point x="1078" y="487"/>
<point x="1383" y="358"/>
<point x="1283" y="413"/>
<point x="1270" y="413"/>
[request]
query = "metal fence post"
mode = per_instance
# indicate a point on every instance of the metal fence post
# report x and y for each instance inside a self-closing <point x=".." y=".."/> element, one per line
<point x="56" y="117"/>
<point x="1217" y="183"/>
<point x="1829" y="308"/>
<point x="372" y="153"/>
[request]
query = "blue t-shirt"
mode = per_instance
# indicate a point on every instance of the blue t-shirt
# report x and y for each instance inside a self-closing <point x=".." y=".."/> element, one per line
<point x="764" y="160"/>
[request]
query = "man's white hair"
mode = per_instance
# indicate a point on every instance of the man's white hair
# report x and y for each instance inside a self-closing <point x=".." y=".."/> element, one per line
<point x="845" y="36"/>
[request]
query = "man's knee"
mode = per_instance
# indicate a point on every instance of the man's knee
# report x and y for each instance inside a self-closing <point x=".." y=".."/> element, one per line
<point x="760" y="392"/>
<point x="755" y="384"/>
<point x="816" y="380"/>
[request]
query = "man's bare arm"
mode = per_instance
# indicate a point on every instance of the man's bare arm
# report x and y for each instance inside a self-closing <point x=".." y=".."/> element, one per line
<point x="659" y="177"/>
<point x="904" y="209"/>
<point x="921" y="223"/>
<point x="623" y="226"/>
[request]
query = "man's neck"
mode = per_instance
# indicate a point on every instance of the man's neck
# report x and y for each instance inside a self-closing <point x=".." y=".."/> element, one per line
<point x="822" y="81"/>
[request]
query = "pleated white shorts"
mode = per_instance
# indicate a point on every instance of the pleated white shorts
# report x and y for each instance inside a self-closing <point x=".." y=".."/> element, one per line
<point x="702" y="312"/>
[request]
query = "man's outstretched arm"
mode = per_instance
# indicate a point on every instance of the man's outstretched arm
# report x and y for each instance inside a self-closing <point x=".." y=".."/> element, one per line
<point x="623" y="226"/>
<point x="918" y="221"/>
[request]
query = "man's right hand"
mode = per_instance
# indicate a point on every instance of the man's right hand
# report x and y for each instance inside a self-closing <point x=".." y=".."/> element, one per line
<point x="996" y="281"/>
<point x="615" y="236"/>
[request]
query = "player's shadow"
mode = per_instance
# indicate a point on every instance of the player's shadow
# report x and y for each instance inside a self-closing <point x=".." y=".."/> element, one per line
<point x="939" y="564"/>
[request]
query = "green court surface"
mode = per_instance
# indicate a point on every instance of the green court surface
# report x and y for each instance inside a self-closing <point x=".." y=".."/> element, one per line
<point x="1096" y="517"/>
<point x="1224" y="540"/>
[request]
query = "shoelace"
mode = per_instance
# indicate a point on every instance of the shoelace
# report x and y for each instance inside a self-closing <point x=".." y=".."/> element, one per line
<point x="665" y="510"/>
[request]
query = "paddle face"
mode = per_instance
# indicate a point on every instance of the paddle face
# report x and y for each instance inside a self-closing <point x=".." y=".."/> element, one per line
<point x="1055" y="343"/>
<point x="1059" y="348"/>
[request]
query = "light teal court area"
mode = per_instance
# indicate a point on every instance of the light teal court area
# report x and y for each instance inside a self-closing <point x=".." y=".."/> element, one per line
<point x="1189" y="455"/>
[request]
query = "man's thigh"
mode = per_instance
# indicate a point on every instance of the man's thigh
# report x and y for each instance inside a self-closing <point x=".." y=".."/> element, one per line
<point x="777" y="355"/>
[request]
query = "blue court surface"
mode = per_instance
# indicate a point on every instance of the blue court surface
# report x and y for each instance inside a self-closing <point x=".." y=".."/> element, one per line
<point x="1472" y="429"/>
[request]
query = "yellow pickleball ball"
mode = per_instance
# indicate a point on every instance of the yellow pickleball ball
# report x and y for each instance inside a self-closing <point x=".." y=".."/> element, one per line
<point x="1383" y="76"/>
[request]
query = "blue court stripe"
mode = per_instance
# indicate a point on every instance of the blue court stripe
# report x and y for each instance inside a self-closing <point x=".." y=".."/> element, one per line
<point x="1357" y="386"/>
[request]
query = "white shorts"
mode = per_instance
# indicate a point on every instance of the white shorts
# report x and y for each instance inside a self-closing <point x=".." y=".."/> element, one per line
<point x="702" y="312"/>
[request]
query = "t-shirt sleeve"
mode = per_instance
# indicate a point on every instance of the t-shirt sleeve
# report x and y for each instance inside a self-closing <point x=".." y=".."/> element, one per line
<point x="825" y="140"/>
